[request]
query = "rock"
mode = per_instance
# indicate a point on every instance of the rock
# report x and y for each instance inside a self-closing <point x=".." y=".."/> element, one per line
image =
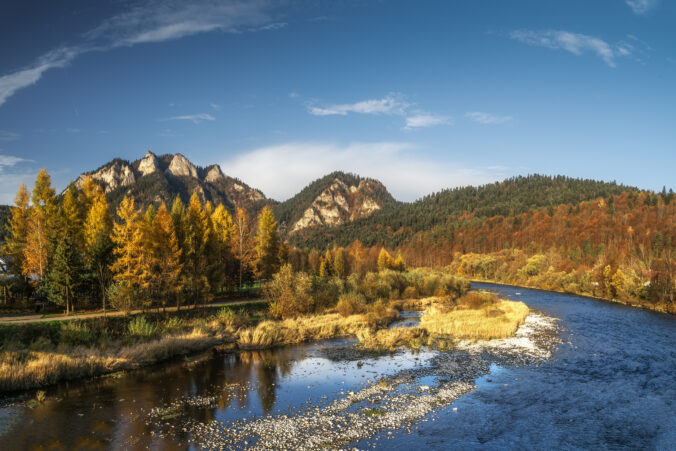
<point x="340" y="203"/>
<point x="214" y="174"/>
<point x="181" y="166"/>
<point x="148" y="164"/>
<point x="113" y="175"/>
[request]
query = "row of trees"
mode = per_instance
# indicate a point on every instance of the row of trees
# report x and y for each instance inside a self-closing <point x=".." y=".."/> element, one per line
<point x="72" y="247"/>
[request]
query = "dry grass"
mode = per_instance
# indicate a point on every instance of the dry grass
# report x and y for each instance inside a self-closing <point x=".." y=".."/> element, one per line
<point x="391" y="339"/>
<point x="499" y="320"/>
<point x="476" y="318"/>
<point x="28" y="369"/>
<point x="310" y="328"/>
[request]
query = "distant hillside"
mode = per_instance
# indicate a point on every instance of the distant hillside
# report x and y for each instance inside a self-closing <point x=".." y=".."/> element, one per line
<point x="332" y="200"/>
<point x="154" y="179"/>
<point x="396" y="223"/>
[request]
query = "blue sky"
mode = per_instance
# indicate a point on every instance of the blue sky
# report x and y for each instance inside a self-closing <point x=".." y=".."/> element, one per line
<point x="422" y="95"/>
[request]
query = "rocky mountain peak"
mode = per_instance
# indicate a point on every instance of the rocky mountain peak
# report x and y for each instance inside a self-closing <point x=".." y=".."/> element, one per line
<point x="113" y="175"/>
<point x="181" y="166"/>
<point x="214" y="174"/>
<point x="148" y="164"/>
<point x="343" y="200"/>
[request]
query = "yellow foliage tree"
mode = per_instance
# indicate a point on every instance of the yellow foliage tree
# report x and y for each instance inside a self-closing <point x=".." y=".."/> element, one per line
<point x="384" y="260"/>
<point x="17" y="230"/>
<point x="98" y="245"/>
<point x="196" y="248"/>
<point x="128" y="267"/>
<point x="41" y="230"/>
<point x="267" y="244"/>
<point x="243" y="244"/>
<point x="399" y="263"/>
<point x="164" y="257"/>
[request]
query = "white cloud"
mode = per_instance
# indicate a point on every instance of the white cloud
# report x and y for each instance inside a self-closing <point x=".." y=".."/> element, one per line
<point x="574" y="43"/>
<point x="215" y="106"/>
<point x="391" y="104"/>
<point x="158" y="21"/>
<point x="11" y="83"/>
<point x="641" y="7"/>
<point x="487" y="118"/>
<point x="195" y="118"/>
<point x="8" y="136"/>
<point x="425" y="120"/>
<point x="146" y="22"/>
<point x="9" y="161"/>
<point x="283" y="170"/>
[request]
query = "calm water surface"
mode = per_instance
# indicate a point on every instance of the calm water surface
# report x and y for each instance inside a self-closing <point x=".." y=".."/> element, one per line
<point x="610" y="385"/>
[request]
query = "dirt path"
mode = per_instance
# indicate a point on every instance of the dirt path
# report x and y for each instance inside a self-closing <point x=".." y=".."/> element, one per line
<point x="39" y="318"/>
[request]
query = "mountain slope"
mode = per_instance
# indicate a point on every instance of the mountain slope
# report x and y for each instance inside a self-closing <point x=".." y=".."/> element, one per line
<point x="335" y="199"/>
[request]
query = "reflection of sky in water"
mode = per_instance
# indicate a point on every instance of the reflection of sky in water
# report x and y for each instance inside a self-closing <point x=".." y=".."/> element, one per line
<point x="308" y="374"/>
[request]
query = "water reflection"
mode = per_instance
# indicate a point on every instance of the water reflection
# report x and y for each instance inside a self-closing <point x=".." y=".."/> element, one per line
<point x="107" y="411"/>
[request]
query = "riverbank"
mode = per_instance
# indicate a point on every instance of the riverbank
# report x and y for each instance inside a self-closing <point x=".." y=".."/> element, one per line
<point x="649" y="307"/>
<point x="36" y="355"/>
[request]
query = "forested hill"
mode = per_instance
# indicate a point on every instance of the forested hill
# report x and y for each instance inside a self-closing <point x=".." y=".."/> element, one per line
<point x="334" y="199"/>
<point x="396" y="223"/>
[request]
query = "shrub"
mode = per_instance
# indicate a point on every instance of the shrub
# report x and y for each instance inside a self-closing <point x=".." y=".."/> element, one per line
<point x="173" y="324"/>
<point x="410" y="293"/>
<point x="351" y="303"/>
<point x="41" y="344"/>
<point x="325" y="292"/>
<point x="230" y="318"/>
<point x="141" y="327"/>
<point x="289" y="293"/>
<point x="75" y="333"/>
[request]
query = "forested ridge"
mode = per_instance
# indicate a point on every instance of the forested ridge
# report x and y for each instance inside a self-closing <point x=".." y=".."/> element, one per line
<point x="398" y="222"/>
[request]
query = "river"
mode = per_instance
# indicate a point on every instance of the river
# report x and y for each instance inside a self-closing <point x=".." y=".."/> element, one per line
<point x="609" y="384"/>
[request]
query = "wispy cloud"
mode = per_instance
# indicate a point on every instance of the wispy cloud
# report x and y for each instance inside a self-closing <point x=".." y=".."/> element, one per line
<point x="390" y="104"/>
<point x="11" y="83"/>
<point x="271" y="26"/>
<point x="158" y="21"/>
<point x="575" y="43"/>
<point x="393" y="104"/>
<point x="8" y="136"/>
<point x="215" y="106"/>
<point x="641" y="7"/>
<point x="425" y="120"/>
<point x="195" y="118"/>
<point x="487" y="118"/>
<point x="148" y="22"/>
<point x="7" y="161"/>
<point x="283" y="170"/>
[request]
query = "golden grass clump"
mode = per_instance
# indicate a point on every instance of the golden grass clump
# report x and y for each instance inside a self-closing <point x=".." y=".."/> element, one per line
<point x="309" y="328"/>
<point x="391" y="339"/>
<point x="499" y="320"/>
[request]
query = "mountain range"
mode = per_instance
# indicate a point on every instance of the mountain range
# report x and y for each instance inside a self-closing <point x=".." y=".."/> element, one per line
<point x="340" y="208"/>
<point x="335" y="199"/>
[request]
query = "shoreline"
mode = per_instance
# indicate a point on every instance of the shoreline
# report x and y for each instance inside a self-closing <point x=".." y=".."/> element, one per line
<point x="588" y="296"/>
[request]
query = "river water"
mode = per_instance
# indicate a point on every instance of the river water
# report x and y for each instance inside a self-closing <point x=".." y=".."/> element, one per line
<point x="610" y="384"/>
